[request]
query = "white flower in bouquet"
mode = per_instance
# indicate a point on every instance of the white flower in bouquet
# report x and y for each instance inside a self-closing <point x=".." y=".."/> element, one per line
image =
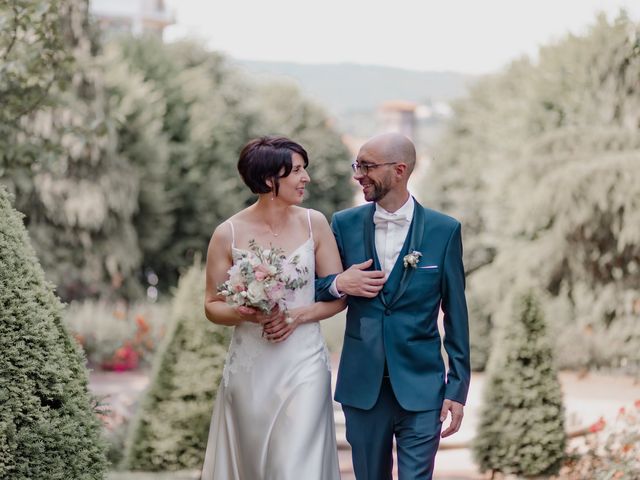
<point x="256" y="293"/>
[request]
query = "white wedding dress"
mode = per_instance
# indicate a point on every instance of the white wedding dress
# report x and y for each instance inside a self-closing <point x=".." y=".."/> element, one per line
<point x="273" y="415"/>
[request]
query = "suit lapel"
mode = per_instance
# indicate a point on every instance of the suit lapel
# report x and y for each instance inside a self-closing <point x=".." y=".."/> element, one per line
<point x="413" y="242"/>
<point x="370" y="242"/>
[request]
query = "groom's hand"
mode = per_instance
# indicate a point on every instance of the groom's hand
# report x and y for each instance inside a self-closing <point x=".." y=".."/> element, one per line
<point x="357" y="281"/>
<point x="457" y="412"/>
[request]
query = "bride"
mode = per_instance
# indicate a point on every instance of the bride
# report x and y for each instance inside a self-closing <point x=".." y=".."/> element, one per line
<point x="273" y="415"/>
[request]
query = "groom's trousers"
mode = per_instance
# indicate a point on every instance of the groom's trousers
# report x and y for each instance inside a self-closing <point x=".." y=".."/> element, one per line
<point x="370" y="434"/>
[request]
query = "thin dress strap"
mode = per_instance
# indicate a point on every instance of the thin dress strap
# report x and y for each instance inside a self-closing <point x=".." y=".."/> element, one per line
<point x="309" y="220"/>
<point x="233" y="235"/>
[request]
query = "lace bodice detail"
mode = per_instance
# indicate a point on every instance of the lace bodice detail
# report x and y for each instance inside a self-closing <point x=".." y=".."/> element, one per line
<point x="248" y="345"/>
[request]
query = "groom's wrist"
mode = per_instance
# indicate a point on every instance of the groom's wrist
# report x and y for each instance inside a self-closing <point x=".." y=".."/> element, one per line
<point x="334" y="289"/>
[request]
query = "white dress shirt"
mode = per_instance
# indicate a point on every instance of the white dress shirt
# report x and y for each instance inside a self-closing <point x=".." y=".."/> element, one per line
<point x="389" y="238"/>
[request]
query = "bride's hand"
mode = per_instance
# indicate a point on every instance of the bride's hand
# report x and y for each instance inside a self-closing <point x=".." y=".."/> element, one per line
<point x="279" y="329"/>
<point x="253" y="315"/>
<point x="247" y="314"/>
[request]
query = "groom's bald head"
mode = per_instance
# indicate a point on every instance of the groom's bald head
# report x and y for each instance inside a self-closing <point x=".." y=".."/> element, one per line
<point x="393" y="147"/>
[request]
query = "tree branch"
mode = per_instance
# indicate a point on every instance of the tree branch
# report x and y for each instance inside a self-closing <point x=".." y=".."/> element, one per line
<point x="15" y="34"/>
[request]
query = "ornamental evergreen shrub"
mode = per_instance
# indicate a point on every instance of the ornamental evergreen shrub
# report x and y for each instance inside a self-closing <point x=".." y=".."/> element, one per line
<point x="521" y="428"/>
<point x="172" y="424"/>
<point x="48" y="429"/>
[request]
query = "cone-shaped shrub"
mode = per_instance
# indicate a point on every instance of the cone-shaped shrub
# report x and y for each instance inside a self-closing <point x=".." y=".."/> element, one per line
<point x="48" y="429"/>
<point x="171" y="427"/>
<point x="521" y="427"/>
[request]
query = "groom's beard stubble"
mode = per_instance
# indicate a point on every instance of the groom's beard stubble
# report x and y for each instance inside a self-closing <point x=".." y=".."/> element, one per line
<point x="380" y="189"/>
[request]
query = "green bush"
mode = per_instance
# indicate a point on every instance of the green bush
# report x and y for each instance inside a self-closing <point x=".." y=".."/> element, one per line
<point x="48" y="429"/>
<point x="172" y="424"/>
<point x="521" y="428"/>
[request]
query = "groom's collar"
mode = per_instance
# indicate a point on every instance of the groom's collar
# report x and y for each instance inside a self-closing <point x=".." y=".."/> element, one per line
<point x="405" y="210"/>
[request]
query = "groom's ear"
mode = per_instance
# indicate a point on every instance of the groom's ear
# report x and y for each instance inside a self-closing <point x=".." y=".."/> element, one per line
<point x="401" y="169"/>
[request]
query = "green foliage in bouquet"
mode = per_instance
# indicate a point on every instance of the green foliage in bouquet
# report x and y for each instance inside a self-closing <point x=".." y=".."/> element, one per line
<point x="48" y="428"/>
<point x="172" y="423"/>
<point x="541" y="164"/>
<point x="521" y="428"/>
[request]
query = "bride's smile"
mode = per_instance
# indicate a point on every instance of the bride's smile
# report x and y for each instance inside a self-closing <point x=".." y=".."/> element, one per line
<point x="292" y="187"/>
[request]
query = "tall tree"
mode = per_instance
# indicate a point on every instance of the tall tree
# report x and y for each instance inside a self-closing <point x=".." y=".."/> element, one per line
<point x="77" y="192"/>
<point x="35" y="55"/>
<point x="129" y="164"/>
<point x="541" y="163"/>
<point x="212" y="110"/>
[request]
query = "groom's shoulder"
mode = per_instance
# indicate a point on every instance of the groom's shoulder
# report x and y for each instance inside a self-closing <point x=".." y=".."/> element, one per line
<point x="350" y="214"/>
<point x="440" y="219"/>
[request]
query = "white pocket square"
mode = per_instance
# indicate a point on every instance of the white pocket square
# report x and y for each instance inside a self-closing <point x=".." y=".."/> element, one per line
<point x="429" y="267"/>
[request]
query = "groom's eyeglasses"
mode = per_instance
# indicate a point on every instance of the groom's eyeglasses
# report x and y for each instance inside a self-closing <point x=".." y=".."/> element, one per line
<point x="363" y="168"/>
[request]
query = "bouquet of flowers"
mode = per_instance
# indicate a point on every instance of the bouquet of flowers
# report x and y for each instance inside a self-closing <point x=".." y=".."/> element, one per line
<point x="263" y="279"/>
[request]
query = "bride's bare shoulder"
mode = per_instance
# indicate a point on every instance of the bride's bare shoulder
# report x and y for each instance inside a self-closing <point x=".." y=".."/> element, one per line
<point x="225" y="230"/>
<point x="242" y="218"/>
<point x="317" y="218"/>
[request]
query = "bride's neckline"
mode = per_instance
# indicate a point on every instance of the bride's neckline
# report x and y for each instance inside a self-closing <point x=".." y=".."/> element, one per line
<point x="286" y="256"/>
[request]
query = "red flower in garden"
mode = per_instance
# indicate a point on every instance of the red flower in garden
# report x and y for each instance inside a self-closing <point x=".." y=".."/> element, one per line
<point x="79" y="338"/>
<point x="637" y="404"/>
<point x="124" y="358"/>
<point x="598" y="426"/>
<point x="143" y="326"/>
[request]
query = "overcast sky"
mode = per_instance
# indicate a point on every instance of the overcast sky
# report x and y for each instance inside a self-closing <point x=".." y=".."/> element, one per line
<point x="470" y="36"/>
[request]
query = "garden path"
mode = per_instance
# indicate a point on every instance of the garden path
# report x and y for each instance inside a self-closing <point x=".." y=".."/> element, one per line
<point x="586" y="400"/>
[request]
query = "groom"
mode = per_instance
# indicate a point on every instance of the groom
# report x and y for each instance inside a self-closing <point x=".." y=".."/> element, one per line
<point x="403" y="263"/>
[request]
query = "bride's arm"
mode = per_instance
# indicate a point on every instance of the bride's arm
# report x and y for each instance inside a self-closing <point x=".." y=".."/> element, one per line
<point x="218" y="264"/>
<point x="327" y="259"/>
<point x="327" y="262"/>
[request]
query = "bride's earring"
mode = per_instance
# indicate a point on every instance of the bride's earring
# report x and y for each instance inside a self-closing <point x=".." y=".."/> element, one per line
<point x="273" y="190"/>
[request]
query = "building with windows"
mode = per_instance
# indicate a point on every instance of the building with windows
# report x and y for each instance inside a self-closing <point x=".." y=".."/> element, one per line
<point x="131" y="16"/>
<point x="398" y="116"/>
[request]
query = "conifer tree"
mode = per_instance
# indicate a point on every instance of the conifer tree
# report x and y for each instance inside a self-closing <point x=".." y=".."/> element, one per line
<point x="521" y="428"/>
<point x="172" y="424"/>
<point x="48" y="429"/>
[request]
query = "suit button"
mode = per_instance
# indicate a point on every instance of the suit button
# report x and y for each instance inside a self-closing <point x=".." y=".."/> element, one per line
<point x="387" y="312"/>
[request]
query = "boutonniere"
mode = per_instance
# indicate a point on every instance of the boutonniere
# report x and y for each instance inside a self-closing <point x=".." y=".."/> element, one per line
<point x="411" y="259"/>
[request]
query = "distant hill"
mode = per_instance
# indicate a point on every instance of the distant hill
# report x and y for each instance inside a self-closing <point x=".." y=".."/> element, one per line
<point x="348" y="88"/>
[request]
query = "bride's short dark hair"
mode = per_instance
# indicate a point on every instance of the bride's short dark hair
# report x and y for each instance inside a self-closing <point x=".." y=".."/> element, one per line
<point x="263" y="158"/>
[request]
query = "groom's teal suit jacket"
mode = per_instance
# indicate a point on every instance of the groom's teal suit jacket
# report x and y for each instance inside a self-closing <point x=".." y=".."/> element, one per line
<point x="399" y="325"/>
